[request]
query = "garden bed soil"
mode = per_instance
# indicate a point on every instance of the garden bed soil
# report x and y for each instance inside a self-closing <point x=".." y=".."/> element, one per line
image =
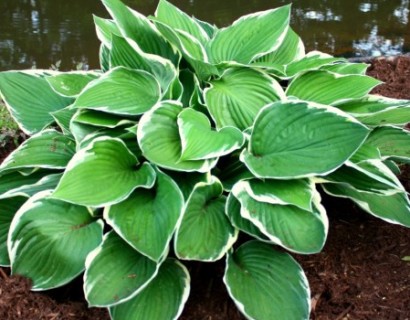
<point x="360" y="274"/>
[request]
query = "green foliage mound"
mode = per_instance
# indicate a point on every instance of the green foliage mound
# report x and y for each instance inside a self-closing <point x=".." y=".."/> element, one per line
<point x="188" y="137"/>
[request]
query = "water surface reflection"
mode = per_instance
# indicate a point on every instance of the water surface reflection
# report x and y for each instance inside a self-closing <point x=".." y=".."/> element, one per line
<point x="38" y="33"/>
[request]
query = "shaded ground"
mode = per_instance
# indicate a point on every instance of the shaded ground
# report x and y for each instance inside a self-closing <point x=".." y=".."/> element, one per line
<point x="359" y="275"/>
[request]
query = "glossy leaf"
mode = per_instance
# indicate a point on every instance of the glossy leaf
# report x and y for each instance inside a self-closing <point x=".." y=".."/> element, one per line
<point x="148" y="218"/>
<point x="205" y="232"/>
<point x="299" y="139"/>
<point x="8" y="208"/>
<point x="199" y="142"/>
<point x="295" y="229"/>
<point x="100" y="119"/>
<point x="236" y="98"/>
<point x="115" y="272"/>
<point x="49" y="240"/>
<point x="266" y="284"/>
<point x="160" y="142"/>
<point x="48" y="149"/>
<point x="70" y="84"/>
<point x="25" y="91"/>
<point x="162" y="299"/>
<point x="250" y="36"/>
<point x="103" y="173"/>
<point x="329" y="88"/>
<point x="121" y="91"/>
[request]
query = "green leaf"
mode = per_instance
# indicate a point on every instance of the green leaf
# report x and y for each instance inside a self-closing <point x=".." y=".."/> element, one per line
<point x="233" y="211"/>
<point x="70" y="84"/>
<point x="393" y="208"/>
<point x="236" y="98"/>
<point x="137" y="27"/>
<point x="291" y="49"/>
<point x="63" y="117"/>
<point x="121" y="91"/>
<point x="103" y="173"/>
<point x="177" y="19"/>
<point x="8" y="209"/>
<point x="49" y="240"/>
<point x="330" y="88"/>
<point x="392" y="142"/>
<point x="27" y="187"/>
<point x="230" y="170"/>
<point x="250" y="37"/>
<point x="346" y="68"/>
<point x="299" y="139"/>
<point x="100" y="119"/>
<point x="298" y="230"/>
<point x="25" y="91"/>
<point x="148" y="218"/>
<point x="266" y="284"/>
<point x="170" y="288"/>
<point x="159" y="140"/>
<point x="205" y="233"/>
<point x="48" y="149"/>
<point x="115" y="272"/>
<point x="126" y="53"/>
<point x="186" y="181"/>
<point x="104" y="55"/>
<point x="200" y="142"/>
<point x="106" y="28"/>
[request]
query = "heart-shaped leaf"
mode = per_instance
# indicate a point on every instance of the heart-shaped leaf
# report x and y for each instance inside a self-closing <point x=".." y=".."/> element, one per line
<point x="110" y="172"/>
<point x="121" y="91"/>
<point x="236" y="98"/>
<point x="266" y="284"/>
<point x="160" y="142"/>
<point x="292" y="140"/>
<point x="205" y="233"/>
<point x="49" y="240"/>
<point x="115" y="272"/>
<point x="170" y="287"/>
<point x="200" y="142"/>
<point x="148" y="218"/>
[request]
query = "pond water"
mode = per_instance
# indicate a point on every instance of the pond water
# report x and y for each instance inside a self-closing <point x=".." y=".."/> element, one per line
<point x="39" y="33"/>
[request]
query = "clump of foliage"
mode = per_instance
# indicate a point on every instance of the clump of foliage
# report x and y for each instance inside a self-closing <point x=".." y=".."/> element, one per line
<point x="187" y="137"/>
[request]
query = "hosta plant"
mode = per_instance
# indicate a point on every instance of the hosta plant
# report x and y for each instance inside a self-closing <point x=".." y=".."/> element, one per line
<point x="189" y="138"/>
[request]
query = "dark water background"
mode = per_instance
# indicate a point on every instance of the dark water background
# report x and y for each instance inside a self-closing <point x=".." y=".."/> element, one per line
<point x="38" y="33"/>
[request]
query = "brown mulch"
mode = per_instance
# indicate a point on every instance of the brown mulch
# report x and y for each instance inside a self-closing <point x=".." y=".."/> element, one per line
<point x="359" y="275"/>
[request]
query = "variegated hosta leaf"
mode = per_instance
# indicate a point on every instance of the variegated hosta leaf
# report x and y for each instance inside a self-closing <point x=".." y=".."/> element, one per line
<point x="299" y="139"/>
<point x="63" y="118"/>
<point x="377" y="110"/>
<point x="369" y="176"/>
<point x="266" y="284"/>
<point x="160" y="142"/>
<point x="291" y="49"/>
<point x="162" y="299"/>
<point x="148" y="218"/>
<point x="25" y="91"/>
<point x="70" y="84"/>
<point x="364" y="153"/>
<point x="8" y="208"/>
<point x="231" y="170"/>
<point x="115" y="272"/>
<point x="236" y="98"/>
<point x="137" y="27"/>
<point x="100" y="119"/>
<point x="311" y="61"/>
<point x="392" y="142"/>
<point x="250" y="37"/>
<point x="28" y="187"/>
<point x="48" y="149"/>
<point x="298" y="193"/>
<point x="104" y="55"/>
<point x="13" y="180"/>
<point x="177" y="19"/>
<point x="326" y="87"/>
<point x="49" y="240"/>
<point x="233" y="211"/>
<point x="121" y="91"/>
<point x="210" y="29"/>
<point x="186" y="181"/>
<point x="393" y="208"/>
<point x="126" y="53"/>
<point x="200" y="142"/>
<point x="296" y="229"/>
<point x="105" y="29"/>
<point x="103" y="173"/>
<point x="205" y="232"/>
<point x="346" y="68"/>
